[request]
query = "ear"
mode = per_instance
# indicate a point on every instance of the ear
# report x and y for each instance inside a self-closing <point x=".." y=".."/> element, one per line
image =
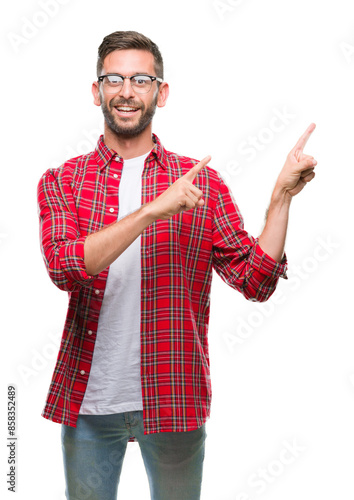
<point x="164" y="91"/>
<point x="96" y="94"/>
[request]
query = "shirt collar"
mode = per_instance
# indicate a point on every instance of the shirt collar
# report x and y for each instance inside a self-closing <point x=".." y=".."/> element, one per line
<point x="103" y="154"/>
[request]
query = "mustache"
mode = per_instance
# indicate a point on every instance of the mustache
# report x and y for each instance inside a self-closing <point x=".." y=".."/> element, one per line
<point x="124" y="102"/>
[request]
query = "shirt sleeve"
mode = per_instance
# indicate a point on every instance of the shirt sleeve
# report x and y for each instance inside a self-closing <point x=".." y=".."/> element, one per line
<point x="238" y="257"/>
<point x="62" y="245"/>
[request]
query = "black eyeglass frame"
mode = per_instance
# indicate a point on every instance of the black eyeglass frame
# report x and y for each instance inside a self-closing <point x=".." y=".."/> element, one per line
<point x="153" y="78"/>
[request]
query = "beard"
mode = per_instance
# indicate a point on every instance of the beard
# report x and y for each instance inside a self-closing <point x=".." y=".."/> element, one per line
<point x="128" y="130"/>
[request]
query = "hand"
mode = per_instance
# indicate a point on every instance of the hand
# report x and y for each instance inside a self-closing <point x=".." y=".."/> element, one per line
<point x="298" y="169"/>
<point x="181" y="195"/>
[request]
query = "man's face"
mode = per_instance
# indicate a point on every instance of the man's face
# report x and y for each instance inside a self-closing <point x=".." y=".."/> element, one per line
<point x="133" y="122"/>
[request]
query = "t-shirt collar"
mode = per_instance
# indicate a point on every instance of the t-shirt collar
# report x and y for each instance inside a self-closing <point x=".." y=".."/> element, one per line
<point x="103" y="154"/>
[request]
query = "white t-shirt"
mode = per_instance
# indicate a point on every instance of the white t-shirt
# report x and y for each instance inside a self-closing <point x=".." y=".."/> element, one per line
<point x="114" y="384"/>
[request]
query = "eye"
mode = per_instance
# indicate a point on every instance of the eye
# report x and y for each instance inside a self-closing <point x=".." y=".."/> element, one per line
<point x="114" y="79"/>
<point x="141" y="80"/>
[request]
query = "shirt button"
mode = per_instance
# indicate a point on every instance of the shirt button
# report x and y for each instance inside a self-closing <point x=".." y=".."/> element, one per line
<point x="116" y="158"/>
<point x="115" y="176"/>
<point x="90" y="332"/>
<point x="111" y="210"/>
<point x="82" y="372"/>
<point x="97" y="292"/>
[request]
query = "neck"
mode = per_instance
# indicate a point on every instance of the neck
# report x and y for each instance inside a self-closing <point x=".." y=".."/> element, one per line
<point x="129" y="147"/>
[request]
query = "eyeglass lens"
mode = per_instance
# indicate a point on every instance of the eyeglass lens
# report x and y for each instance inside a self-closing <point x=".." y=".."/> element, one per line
<point x="140" y="83"/>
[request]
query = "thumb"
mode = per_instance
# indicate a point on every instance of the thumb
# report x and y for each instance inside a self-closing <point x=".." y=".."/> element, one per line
<point x="305" y="164"/>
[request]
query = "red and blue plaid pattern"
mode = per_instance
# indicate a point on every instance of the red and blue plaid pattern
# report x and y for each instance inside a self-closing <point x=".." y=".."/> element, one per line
<point x="177" y="258"/>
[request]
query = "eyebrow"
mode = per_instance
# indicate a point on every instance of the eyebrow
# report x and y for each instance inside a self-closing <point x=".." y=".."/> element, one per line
<point x="133" y="74"/>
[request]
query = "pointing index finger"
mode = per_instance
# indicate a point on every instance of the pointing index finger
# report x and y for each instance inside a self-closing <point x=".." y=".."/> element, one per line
<point x="194" y="171"/>
<point x="301" y="143"/>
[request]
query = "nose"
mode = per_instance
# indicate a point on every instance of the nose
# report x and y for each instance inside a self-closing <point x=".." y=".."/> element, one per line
<point x="127" y="90"/>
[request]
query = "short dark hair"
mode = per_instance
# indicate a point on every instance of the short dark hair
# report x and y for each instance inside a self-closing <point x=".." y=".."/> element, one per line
<point x="122" y="40"/>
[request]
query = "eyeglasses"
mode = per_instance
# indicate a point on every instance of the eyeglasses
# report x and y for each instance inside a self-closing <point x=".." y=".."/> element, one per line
<point x="112" y="82"/>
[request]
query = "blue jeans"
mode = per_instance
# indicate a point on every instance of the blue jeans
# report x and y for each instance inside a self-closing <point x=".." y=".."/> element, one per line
<point x="93" y="455"/>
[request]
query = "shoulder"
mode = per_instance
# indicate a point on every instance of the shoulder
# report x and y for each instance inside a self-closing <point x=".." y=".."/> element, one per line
<point x="183" y="164"/>
<point x="66" y="172"/>
<point x="209" y="179"/>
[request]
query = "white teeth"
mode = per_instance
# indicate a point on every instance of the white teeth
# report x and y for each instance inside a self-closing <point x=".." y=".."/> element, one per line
<point x="126" y="109"/>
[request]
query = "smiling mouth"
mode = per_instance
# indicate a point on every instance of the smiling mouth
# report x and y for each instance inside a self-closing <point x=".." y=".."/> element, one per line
<point x="126" y="110"/>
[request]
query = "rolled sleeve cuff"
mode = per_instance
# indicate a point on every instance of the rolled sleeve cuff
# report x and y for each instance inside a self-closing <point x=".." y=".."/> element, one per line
<point x="266" y="265"/>
<point x="71" y="257"/>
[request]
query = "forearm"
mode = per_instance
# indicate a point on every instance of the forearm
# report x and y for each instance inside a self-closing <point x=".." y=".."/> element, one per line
<point x="272" y="239"/>
<point x="105" y="246"/>
<point x="296" y="173"/>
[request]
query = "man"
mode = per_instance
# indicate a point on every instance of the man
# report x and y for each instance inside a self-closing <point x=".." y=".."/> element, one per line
<point x="132" y="232"/>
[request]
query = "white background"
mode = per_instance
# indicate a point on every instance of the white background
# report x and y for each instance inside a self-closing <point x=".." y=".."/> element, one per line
<point x="282" y="372"/>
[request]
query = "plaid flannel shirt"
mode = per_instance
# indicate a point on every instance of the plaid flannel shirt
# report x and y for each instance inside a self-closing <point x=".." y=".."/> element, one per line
<point x="177" y="259"/>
